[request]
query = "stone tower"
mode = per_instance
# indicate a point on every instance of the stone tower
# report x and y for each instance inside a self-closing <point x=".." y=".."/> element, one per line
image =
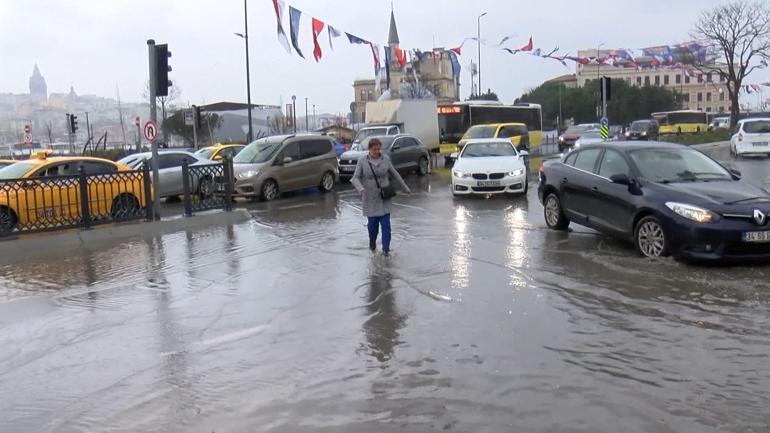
<point x="37" y="87"/>
<point x="396" y="72"/>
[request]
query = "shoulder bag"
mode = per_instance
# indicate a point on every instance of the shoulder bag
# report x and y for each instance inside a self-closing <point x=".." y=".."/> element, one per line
<point x="386" y="193"/>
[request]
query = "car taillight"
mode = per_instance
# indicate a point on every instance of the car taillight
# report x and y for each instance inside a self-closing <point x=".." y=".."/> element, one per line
<point x="542" y="172"/>
<point x="740" y="137"/>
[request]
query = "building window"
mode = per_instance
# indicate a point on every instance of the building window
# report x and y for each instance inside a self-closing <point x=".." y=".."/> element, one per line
<point x="700" y="78"/>
<point x="708" y="109"/>
<point x="666" y="80"/>
<point x="371" y="94"/>
<point x="657" y="80"/>
<point x="700" y="96"/>
<point x="721" y="78"/>
<point x="647" y="80"/>
<point x="708" y="77"/>
<point x="638" y="81"/>
<point x="363" y="95"/>
<point x="721" y="109"/>
<point x="678" y="79"/>
<point x="686" y="97"/>
<point x="708" y="97"/>
<point x="687" y="79"/>
<point x="721" y="96"/>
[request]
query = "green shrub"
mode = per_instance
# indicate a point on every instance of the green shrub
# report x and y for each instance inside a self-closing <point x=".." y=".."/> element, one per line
<point x="699" y="137"/>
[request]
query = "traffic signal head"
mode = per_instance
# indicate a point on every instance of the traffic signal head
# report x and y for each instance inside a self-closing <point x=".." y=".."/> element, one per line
<point x="73" y="123"/>
<point x="162" y="68"/>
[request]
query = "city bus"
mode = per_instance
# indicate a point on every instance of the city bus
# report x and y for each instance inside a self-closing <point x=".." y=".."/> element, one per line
<point x="681" y="121"/>
<point x="455" y="119"/>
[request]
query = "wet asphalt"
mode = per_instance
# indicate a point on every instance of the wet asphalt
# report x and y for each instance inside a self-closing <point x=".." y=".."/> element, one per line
<point x="482" y="320"/>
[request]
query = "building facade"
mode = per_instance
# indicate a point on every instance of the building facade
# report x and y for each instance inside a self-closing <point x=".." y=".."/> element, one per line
<point x="706" y="92"/>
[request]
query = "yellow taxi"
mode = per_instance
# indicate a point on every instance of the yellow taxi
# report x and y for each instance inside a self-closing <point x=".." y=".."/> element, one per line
<point x="44" y="192"/>
<point x="219" y="151"/>
<point x="516" y="132"/>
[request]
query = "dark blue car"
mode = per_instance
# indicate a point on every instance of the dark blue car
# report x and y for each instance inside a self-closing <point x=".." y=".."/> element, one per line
<point x="666" y="198"/>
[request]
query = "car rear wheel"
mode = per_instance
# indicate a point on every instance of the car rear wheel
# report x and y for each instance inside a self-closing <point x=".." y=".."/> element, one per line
<point x="554" y="215"/>
<point x="649" y="237"/>
<point x="327" y="182"/>
<point x="7" y="220"/>
<point x="125" y="206"/>
<point x="422" y="166"/>
<point x="269" y="190"/>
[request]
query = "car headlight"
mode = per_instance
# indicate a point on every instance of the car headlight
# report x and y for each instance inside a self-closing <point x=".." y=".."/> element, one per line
<point x="561" y="138"/>
<point x="248" y="174"/>
<point x="628" y="133"/>
<point x="644" y="132"/>
<point x="516" y="173"/>
<point x="461" y="174"/>
<point x="694" y="213"/>
<point x="577" y="144"/>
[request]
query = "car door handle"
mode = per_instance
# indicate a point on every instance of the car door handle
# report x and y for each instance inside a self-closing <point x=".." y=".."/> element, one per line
<point x="565" y="180"/>
<point x="595" y="189"/>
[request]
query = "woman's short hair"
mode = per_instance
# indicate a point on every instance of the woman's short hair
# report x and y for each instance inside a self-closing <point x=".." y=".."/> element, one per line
<point x="374" y="142"/>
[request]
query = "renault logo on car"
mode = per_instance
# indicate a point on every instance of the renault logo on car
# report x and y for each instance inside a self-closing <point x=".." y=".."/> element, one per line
<point x="759" y="217"/>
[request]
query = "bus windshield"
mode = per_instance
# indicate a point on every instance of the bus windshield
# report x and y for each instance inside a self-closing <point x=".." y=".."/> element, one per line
<point x="455" y="120"/>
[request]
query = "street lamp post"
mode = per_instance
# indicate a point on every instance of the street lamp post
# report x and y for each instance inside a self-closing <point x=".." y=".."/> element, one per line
<point x="245" y="37"/>
<point x="294" y="112"/>
<point x="307" y="124"/>
<point x="478" y="40"/>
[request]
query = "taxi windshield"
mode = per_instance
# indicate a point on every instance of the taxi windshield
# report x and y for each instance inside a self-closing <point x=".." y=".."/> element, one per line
<point x="16" y="171"/>
<point x="206" y="153"/>
<point x="481" y="132"/>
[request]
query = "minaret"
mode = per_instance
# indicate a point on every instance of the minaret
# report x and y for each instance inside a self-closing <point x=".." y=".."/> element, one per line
<point x="37" y="86"/>
<point x="396" y="72"/>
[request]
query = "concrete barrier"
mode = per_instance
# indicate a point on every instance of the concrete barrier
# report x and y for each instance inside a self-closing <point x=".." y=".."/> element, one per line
<point x="23" y="246"/>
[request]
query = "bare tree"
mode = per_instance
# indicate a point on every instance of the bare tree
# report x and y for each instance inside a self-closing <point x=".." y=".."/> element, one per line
<point x="415" y="91"/>
<point x="277" y="124"/>
<point x="740" y="33"/>
<point x="167" y="103"/>
<point x="49" y="132"/>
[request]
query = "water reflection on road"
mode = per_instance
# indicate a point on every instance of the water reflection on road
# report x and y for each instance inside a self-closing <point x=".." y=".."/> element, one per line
<point x="482" y="320"/>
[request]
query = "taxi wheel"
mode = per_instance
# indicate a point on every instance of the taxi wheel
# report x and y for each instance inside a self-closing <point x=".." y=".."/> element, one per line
<point x="7" y="220"/>
<point x="124" y="206"/>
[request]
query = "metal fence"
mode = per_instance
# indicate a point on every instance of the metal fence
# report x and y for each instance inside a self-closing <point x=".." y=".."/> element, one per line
<point x="208" y="187"/>
<point x="67" y="201"/>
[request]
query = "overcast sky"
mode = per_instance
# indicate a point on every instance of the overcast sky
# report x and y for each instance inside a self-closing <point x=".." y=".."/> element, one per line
<point x="98" y="45"/>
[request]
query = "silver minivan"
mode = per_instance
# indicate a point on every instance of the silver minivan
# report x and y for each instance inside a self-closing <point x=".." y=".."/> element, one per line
<point x="272" y="165"/>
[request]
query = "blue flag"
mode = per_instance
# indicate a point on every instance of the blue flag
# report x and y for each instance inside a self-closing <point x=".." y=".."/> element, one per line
<point x="355" y="39"/>
<point x="294" y="17"/>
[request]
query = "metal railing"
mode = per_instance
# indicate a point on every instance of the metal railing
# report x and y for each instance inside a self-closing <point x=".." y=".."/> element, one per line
<point x="79" y="200"/>
<point x="207" y="187"/>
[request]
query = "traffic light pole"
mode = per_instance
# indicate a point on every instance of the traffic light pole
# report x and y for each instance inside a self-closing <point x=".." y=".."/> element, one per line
<point x="154" y="116"/>
<point x="604" y="97"/>
<point x="195" y="127"/>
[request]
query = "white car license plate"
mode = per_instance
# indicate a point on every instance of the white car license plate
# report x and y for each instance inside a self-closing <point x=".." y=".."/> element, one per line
<point x="756" y="236"/>
<point x="759" y="143"/>
<point x="347" y="169"/>
<point x="489" y="183"/>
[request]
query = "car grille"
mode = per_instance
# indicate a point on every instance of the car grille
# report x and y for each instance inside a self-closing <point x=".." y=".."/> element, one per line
<point x="348" y="162"/>
<point x="747" y="249"/>
<point x="488" y="188"/>
<point x="496" y="176"/>
<point x="480" y="176"/>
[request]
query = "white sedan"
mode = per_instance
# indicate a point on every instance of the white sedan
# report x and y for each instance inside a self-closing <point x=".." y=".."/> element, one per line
<point x="752" y="136"/>
<point x="589" y="137"/>
<point x="489" y="166"/>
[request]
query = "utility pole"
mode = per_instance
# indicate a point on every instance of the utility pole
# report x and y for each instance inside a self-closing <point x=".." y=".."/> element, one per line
<point x="604" y="97"/>
<point x="560" y="120"/>
<point x="294" y="112"/>
<point x="307" y="127"/>
<point x="315" y="123"/>
<point x="248" y="74"/>
<point x="154" y="116"/>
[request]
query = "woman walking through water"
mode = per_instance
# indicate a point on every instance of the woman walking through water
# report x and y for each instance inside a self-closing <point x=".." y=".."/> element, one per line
<point x="372" y="180"/>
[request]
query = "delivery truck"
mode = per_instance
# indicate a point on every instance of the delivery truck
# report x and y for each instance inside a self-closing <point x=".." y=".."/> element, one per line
<point x="402" y="116"/>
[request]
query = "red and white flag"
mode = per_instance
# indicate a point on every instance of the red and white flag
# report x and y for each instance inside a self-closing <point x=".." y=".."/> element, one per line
<point x="279" y="5"/>
<point x="318" y="26"/>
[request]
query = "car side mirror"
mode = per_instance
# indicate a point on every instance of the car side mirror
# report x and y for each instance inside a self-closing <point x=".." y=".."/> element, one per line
<point x="523" y="153"/>
<point x="454" y="155"/>
<point x="218" y="157"/>
<point x="395" y="147"/>
<point x="621" y="179"/>
<point x="736" y="173"/>
<point x="287" y="159"/>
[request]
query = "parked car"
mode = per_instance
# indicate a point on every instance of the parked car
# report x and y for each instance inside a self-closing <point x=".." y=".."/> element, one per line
<point x="589" y="137"/>
<point x="666" y="198"/>
<point x="751" y="136"/>
<point x="219" y="151"/>
<point x="406" y="152"/>
<point x="571" y="135"/>
<point x="170" y="171"/>
<point x="643" y="130"/>
<point x="47" y="198"/>
<point x="720" y="123"/>
<point x="489" y="166"/>
<point x="283" y="163"/>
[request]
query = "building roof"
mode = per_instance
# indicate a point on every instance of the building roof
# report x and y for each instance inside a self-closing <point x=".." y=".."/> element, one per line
<point x="233" y="106"/>
<point x="393" y="33"/>
<point x="566" y="78"/>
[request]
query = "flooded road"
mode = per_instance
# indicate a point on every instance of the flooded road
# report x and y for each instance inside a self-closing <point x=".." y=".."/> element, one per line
<point x="482" y="320"/>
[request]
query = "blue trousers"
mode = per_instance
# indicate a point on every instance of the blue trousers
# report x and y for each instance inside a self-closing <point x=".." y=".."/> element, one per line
<point x="374" y="227"/>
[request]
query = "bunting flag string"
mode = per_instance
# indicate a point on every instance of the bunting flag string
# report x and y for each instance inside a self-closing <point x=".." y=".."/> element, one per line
<point x="294" y="17"/>
<point x="318" y="27"/>
<point x="279" y="6"/>
<point x="333" y="33"/>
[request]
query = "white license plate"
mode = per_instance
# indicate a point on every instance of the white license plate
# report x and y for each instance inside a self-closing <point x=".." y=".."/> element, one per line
<point x="759" y="143"/>
<point x="756" y="236"/>
<point x="489" y="183"/>
<point x="348" y="169"/>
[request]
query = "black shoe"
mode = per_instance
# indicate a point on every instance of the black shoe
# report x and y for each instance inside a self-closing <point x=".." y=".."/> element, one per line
<point x="386" y="253"/>
<point x="372" y="248"/>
